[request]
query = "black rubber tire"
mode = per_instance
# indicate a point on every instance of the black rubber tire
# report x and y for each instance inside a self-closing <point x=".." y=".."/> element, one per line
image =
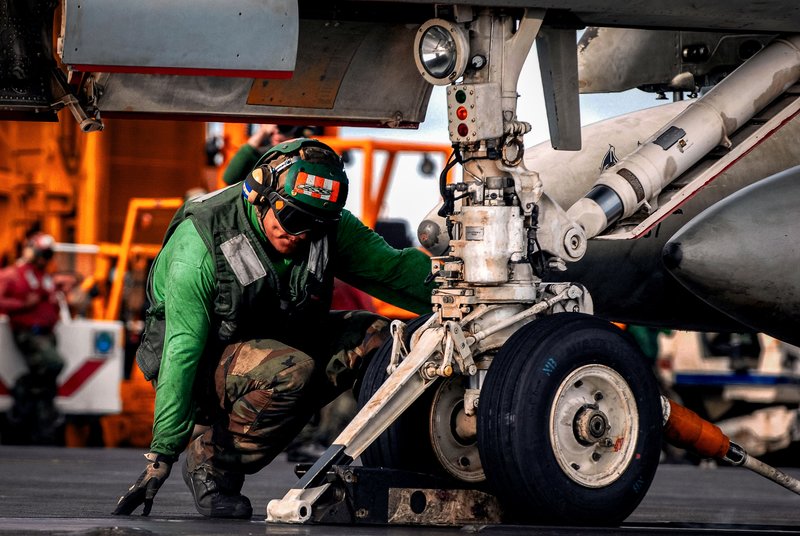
<point x="513" y="421"/>
<point x="406" y="444"/>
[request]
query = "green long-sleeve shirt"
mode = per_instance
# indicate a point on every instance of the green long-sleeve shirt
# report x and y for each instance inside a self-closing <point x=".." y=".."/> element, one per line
<point x="184" y="279"/>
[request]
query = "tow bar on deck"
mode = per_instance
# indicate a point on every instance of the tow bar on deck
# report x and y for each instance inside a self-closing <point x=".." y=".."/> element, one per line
<point x="685" y="429"/>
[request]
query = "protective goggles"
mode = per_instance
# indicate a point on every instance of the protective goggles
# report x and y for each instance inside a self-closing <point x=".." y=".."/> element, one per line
<point x="294" y="219"/>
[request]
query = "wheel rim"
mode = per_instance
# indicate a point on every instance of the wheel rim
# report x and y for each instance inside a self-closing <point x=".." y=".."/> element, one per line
<point x="594" y="425"/>
<point x="453" y="435"/>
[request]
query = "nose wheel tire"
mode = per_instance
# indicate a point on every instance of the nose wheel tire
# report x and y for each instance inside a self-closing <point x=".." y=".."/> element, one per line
<point x="569" y="422"/>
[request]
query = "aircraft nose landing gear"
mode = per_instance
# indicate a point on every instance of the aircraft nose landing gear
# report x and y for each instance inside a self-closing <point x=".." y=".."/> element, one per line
<point x="463" y="396"/>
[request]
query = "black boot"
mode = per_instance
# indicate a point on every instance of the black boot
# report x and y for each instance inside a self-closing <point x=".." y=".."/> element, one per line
<point x="216" y="493"/>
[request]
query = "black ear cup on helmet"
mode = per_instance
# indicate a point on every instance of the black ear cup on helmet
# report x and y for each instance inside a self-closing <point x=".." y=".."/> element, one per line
<point x="258" y="184"/>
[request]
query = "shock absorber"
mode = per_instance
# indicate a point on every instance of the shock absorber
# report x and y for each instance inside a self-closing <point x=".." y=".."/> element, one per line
<point x="638" y="178"/>
<point x="686" y="429"/>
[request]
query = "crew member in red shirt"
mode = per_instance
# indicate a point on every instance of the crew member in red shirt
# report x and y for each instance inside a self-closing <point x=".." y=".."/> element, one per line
<point x="28" y="298"/>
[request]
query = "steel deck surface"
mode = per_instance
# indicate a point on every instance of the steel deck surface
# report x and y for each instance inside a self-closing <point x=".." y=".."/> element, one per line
<point x="50" y="490"/>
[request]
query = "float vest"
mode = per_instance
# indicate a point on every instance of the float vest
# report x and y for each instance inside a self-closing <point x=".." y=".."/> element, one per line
<point x="41" y="317"/>
<point x="249" y="301"/>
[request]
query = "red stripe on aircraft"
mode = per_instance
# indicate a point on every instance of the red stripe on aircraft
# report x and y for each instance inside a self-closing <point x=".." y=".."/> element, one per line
<point x="184" y="71"/>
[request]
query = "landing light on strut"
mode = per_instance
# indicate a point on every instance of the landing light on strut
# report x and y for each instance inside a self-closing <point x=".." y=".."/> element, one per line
<point x="442" y="49"/>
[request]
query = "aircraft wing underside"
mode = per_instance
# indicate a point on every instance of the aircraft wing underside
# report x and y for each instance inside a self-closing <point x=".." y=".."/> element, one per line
<point x="347" y="62"/>
<point x="738" y="15"/>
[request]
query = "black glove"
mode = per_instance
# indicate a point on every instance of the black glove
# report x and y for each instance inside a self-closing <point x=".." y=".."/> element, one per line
<point x="146" y="487"/>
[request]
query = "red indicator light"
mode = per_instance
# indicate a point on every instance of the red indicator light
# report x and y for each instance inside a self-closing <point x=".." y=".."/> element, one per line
<point x="461" y="113"/>
<point x="463" y="130"/>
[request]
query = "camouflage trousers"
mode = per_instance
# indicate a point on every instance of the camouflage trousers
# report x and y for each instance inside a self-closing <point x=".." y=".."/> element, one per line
<point x="40" y="353"/>
<point x="268" y="391"/>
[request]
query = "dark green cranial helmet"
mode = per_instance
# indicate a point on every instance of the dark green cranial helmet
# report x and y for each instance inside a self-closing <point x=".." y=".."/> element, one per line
<point x="303" y="181"/>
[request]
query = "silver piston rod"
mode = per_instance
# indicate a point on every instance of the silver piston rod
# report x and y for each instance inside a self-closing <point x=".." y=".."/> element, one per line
<point x="639" y="177"/>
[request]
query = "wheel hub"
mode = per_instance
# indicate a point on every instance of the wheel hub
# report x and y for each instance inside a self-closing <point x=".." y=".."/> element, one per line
<point x="453" y="433"/>
<point x="590" y="425"/>
<point x="593" y="425"/>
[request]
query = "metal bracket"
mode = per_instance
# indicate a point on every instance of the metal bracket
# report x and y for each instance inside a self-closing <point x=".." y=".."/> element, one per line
<point x="527" y="185"/>
<point x="67" y="99"/>
<point x="399" y="350"/>
<point x="463" y="353"/>
<point x="558" y="234"/>
<point x="578" y="298"/>
<point x="471" y="398"/>
<point x="87" y="124"/>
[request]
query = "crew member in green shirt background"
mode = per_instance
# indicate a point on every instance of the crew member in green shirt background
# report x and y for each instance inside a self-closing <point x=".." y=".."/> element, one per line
<point x="265" y="137"/>
<point x="240" y="335"/>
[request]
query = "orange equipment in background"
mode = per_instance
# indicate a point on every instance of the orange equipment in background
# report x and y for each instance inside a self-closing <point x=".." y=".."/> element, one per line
<point x="76" y="186"/>
<point x="117" y="190"/>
